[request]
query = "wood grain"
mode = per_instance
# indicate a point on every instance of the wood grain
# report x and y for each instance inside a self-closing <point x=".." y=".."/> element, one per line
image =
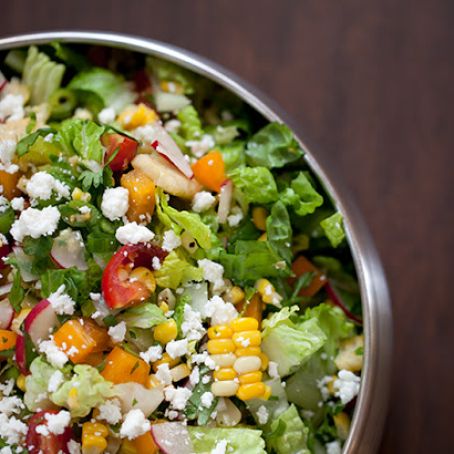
<point x="371" y="83"/>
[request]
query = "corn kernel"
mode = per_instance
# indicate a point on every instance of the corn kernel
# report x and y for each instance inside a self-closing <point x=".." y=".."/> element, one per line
<point x="267" y="292"/>
<point x="342" y="423"/>
<point x="134" y="116"/>
<point x="220" y="332"/>
<point x="220" y="346"/>
<point x="171" y="87"/>
<point x="267" y="393"/>
<point x="20" y="382"/>
<point x="166" y="359"/>
<point x="248" y="351"/>
<point x="265" y="360"/>
<point x="144" y="276"/>
<point x="78" y="194"/>
<point x="179" y="372"/>
<point x="247" y="364"/>
<point x="250" y="391"/>
<point x="250" y="377"/>
<point x="164" y="307"/>
<point x="152" y="382"/>
<point x="93" y="444"/>
<point x="166" y="331"/>
<point x="72" y="400"/>
<point x="225" y="373"/>
<point x="95" y="428"/>
<point x="225" y="388"/>
<point x="247" y="338"/>
<point x="259" y="215"/>
<point x="244" y="324"/>
<point x="263" y="237"/>
<point x="224" y="360"/>
<point x="166" y="296"/>
<point x="235" y="295"/>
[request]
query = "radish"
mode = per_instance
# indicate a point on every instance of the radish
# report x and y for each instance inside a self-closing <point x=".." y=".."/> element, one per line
<point x="225" y="200"/>
<point x="6" y="314"/>
<point x="5" y="249"/>
<point x="133" y="395"/>
<point x="40" y="322"/>
<point x="172" y="438"/>
<point x="334" y="297"/>
<point x="68" y="250"/>
<point x="20" y="355"/>
<point x="163" y="143"/>
<point x="3" y="81"/>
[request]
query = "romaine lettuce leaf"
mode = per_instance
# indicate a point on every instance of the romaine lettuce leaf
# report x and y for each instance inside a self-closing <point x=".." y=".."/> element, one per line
<point x="170" y="72"/>
<point x="273" y="146"/>
<point x="191" y="126"/>
<point x="175" y="270"/>
<point x="233" y="155"/>
<point x="279" y="231"/>
<point x="145" y="315"/>
<point x="333" y="227"/>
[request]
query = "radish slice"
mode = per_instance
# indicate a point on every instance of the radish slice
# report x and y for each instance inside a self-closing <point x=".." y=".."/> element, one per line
<point x="172" y="438"/>
<point x="163" y="143"/>
<point x="3" y="81"/>
<point x="134" y="395"/>
<point x="6" y="314"/>
<point x="333" y="296"/>
<point x="40" y="322"/>
<point x="225" y="200"/>
<point x="68" y="250"/>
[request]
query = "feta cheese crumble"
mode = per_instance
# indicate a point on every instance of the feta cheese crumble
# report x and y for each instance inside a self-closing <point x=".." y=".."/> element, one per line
<point x="156" y="263"/>
<point x="346" y="386"/>
<point x="54" y="355"/>
<point x="115" y="203"/>
<point x="236" y="217"/>
<point x="154" y="353"/>
<point x="134" y="425"/>
<point x="202" y="201"/>
<point x="220" y="312"/>
<point x="206" y="399"/>
<point x="107" y="115"/>
<point x="177" y="397"/>
<point x="73" y="447"/>
<point x="55" y="380"/>
<point x="172" y="125"/>
<point x="133" y="233"/>
<point x="61" y="302"/>
<point x="333" y="447"/>
<point x="57" y="423"/>
<point x="35" y="223"/>
<point x="7" y="151"/>
<point x="117" y="333"/>
<point x="273" y="371"/>
<point x="11" y="107"/>
<point x="18" y="203"/>
<point x="262" y="415"/>
<point x="41" y="186"/>
<point x="163" y="374"/>
<point x="202" y="146"/>
<point x="177" y="348"/>
<point x="171" y="241"/>
<point x="192" y="327"/>
<point x="212" y="272"/>
<point x="110" y="411"/>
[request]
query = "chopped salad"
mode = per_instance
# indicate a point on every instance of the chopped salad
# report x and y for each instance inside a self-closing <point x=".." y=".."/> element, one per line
<point x="174" y="278"/>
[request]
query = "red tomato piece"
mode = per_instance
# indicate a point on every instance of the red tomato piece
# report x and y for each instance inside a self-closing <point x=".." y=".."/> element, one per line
<point x="126" y="147"/>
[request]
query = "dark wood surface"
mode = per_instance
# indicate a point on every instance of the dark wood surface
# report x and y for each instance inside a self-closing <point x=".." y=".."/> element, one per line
<point x="371" y="83"/>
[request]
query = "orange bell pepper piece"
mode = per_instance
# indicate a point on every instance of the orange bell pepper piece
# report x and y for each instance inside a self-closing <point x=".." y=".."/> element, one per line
<point x="141" y="195"/>
<point x="210" y="170"/>
<point x="302" y="265"/>
<point x="7" y="339"/>
<point x="94" y="359"/>
<point x="74" y="341"/>
<point x="252" y="308"/>
<point x="145" y="444"/>
<point x="98" y="334"/>
<point x="123" y="367"/>
<point x="9" y="183"/>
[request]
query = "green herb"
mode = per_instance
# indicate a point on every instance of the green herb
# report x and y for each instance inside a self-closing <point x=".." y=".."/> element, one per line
<point x="32" y="123"/>
<point x="17" y="293"/>
<point x="24" y="144"/>
<point x="109" y="320"/>
<point x="359" y="351"/>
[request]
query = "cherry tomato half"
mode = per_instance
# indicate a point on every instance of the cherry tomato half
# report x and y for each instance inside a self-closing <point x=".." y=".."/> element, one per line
<point x="126" y="147"/>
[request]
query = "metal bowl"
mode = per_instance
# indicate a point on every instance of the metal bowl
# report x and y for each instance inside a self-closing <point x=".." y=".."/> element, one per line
<point x="370" y="410"/>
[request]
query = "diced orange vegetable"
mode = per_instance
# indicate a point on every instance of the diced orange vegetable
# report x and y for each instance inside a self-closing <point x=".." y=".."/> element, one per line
<point x="9" y="183"/>
<point x="124" y="367"/>
<point x="210" y="171"/>
<point x="94" y="359"/>
<point x="254" y="308"/>
<point x="98" y="334"/>
<point x="141" y="195"/>
<point x="75" y="341"/>
<point x="145" y="444"/>
<point x="7" y="339"/>
<point x="300" y="266"/>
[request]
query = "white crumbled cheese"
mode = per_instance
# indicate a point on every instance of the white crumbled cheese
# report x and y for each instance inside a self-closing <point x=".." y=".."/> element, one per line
<point x="170" y="241"/>
<point x="154" y="353"/>
<point x="115" y="203"/>
<point x="12" y="430"/>
<point x="206" y="399"/>
<point x="117" y="333"/>
<point x="192" y="327"/>
<point x="134" y="425"/>
<point x="3" y="241"/>
<point x="12" y="107"/>
<point x="236" y="217"/>
<point x="61" y="302"/>
<point x="10" y="405"/>
<point x="346" y="386"/>
<point x="57" y="423"/>
<point x="202" y="201"/>
<point x="84" y="209"/>
<point x="133" y="233"/>
<point x="55" y="380"/>
<point x="163" y="374"/>
<point x="82" y="114"/>
<point x="273" y="371"/>
<point x="7" y="387"/>
<point x="156" y="263"/>
<point x="145" y="133"/>
<point x="107" y="115"/>
<point x="322" y="386"/>
<point x="18" y="203"/>
<point x="220" y="312"/>
<point x="177" y="348"/>
<point x="171" y="414"/>
<point x="49" y="137"/>
<point x="110" y="411"/>
<point x="41" y="186"/>
<point x="194" y="377"/>
<point x="220" y="448"/>
<point x="35" y="223"/>
<point x="172" y="125"/>
<point x="262" y="415"/>
<point x="333" y="447"/>
<point x="73" y="447"/>
<point x="54" y="355"/>
<point x="177" y="397"/>
<point x="212" y="272"/>
<point x="7" y="150"/>
<point x="202" y="146"/>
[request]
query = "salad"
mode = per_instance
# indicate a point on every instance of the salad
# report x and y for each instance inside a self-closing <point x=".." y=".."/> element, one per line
<point x="174" y="279"/>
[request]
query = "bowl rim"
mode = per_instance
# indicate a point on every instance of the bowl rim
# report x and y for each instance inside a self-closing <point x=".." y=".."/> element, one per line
<point x="370" y="411"/>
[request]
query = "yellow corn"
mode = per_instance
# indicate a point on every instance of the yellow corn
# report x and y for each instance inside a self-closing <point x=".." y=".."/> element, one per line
<point x="235" y="295"/>
<point x="166" y="331"/>
<point x="224" y="388"/>
<point x="144" y="276"/>
<point x="18" y="319"/>
<point x="20" y="382"/>
<point x="267" y="393"/>
<point x="220" y="332"/>
<point x="267" y="292"/>
<point x="73" y="401"/>
<point x="265" y="361"/>
<point x="179" y="372"/>
<point x="259" y="215"/>
<point x="225" y="373"/>
<point x="248" y="351"/>
<point x="95" y="428"/>
<point x="171" y="87"/>
<point x="330" y="384"/>
<point x="172" y="362"/>
<point x="164" y="307"/>
<point x="342" y="423"/>
<point x="251" y="391"/>
<point x="134" y="116"/>
<point x="94" y="437"/>
<point x="152" y="382"/>
<point x="263" y="237"/>
<point x="78" y="194"/>
<point x="250" y="377"/>
<point x="219" y="346"/>
<point x="127" y="447"/>
<point x="247" y="339"/>
<point x="244" y="324"/>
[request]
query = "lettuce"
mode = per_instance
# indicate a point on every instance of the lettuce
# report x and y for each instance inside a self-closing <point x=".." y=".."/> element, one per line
<point x="301" y="196"/>
<point x="91" y="390"/>
<point x="191" y="126"/>
<point x="288" y="344"/>
<point x="279" y="231"/>
<point x="170" y="72"/>
<point x="244" y="440"/>
<point x="233" y="155"/>
<point x="334" y="229"/>
<point x="145" y="315"/>
<point x="288" y="433"/>
<point x="256" y="183"/>
<point x="272" y="147"/>
<point x="175" y="270"/>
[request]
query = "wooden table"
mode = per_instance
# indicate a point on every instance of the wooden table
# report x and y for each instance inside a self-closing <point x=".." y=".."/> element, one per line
<point x="371" y="84"/>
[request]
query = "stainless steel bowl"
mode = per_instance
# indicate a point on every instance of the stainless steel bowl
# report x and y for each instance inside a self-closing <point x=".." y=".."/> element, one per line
<point x="370" y="411"/>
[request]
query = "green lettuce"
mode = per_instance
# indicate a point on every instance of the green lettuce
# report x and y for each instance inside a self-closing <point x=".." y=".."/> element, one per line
<point x="256" y="183"/>
<point x="233" y="155"/>
<point x="301" y="196"/>
<point x="145" y="315"/>
<point x="272" y="147"/>
<point x="91" y="387"/>
<point x="288" y="433"/>
<point x="288" y="344"/>
<point x="191" y="126"/>
<point x="279" y="231"/>
<point x="246" y="441"/>
<point x="175" y="270"/>
<point x="333" y="227"/>
<point x="170" y="72"/>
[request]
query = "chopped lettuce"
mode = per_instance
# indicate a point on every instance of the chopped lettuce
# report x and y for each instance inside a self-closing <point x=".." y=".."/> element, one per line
<point x="244" y="440"/>
<point x="233" y="155"/>
<point x="145" y="315"/>
<point x="273" y="146"/>
<point x="84" y="391"/>
<point x="175" y="270"/>
<point x="288" y="433"/>
<point x="288" y="344"/>
<point x="170" y="72"/>
<point x="333" y="227"/>
<point x="301" y="196"/>
<point x="279" y="231"/>
<point x="191" y="126"/>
